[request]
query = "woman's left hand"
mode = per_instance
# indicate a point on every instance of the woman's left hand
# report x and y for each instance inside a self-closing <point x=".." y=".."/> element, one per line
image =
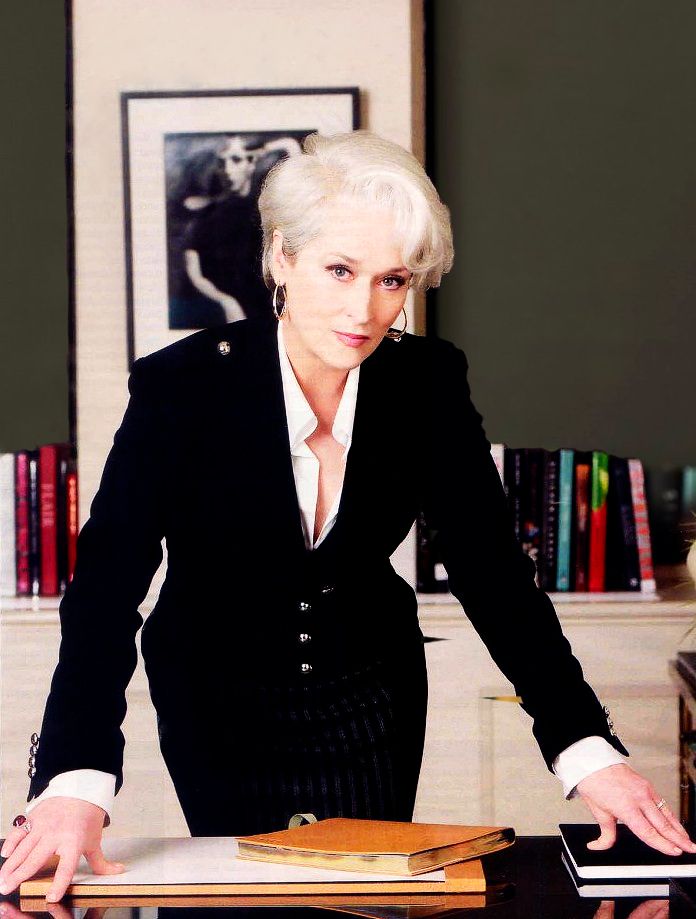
<point x="618" y="793"/>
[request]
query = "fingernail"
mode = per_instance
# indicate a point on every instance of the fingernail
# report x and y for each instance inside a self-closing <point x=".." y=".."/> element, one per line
<point x="51" y="897"/>
<point x="2" y="852"/>
<point x="676" y="851"/>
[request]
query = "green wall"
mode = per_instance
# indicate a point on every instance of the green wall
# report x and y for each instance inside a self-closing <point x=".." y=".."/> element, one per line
<point x="565" y="145"/>
<point x="34" y="297"/>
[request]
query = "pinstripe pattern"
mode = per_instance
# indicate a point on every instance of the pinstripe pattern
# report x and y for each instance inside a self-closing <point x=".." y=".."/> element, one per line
<point x="333" y="748"/>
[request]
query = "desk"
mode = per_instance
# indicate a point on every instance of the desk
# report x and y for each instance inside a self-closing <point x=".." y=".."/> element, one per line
<point x="529" y="883"/>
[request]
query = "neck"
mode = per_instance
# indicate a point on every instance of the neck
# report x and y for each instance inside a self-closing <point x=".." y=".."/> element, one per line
<point x="322" y="385"/>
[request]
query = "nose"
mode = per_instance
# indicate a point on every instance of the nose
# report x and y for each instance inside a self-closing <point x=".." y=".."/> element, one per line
<point x="360" y="307"/>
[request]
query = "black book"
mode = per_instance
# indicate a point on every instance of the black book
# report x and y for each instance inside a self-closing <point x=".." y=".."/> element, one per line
<point x="531" y="501"/>
<point x="628" y="859"/>
<point x="549" y="525"/>
<point x="608" y="888"/>
<point x="623" y="566"/>
<point x="512" y="476"/>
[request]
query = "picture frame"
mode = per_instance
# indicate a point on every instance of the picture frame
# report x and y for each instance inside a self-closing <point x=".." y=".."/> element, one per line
<point x="193" y="165"/>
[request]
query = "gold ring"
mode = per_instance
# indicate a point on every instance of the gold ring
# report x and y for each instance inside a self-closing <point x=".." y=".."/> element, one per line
<point x="660" y="804"/>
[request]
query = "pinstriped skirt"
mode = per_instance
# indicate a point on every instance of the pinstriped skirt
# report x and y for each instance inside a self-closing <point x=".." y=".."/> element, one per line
<point x="349" y="746"/>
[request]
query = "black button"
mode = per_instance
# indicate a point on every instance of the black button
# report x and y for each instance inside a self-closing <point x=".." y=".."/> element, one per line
<point x="304" y="607"/>
<point x="303" y="638"/>
<point x="328" y="589"/>
<point x="306" y="668"/>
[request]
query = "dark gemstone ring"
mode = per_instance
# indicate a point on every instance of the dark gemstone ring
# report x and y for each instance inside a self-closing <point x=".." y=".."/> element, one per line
<point x="21" y="820"/>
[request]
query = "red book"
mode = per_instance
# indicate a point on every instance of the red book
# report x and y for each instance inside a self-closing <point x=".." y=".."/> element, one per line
<point x="72" y="517"/>
<point x="598" y="520"/>
<point x="640" y="513"/>
<point x="22" y="522"/>
<point x="48" y="532"/>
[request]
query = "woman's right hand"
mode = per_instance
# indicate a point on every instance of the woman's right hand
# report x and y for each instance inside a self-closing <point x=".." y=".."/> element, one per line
<point x="66" y="827"/>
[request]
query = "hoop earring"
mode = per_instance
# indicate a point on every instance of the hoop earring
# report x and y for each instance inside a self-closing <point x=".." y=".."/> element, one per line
<point x="284" y="306"/>
<point x="397" y="334"/>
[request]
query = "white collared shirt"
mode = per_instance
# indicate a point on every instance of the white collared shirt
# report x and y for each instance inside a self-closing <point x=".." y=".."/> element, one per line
<point x="571" y="765"/>
<point x="302" y="422"/>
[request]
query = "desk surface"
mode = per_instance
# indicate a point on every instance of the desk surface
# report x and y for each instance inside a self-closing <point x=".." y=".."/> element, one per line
<point x="529" y="882"/>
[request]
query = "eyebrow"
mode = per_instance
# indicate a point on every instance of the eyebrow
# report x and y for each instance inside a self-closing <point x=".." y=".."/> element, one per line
<point x="353" y="261"/>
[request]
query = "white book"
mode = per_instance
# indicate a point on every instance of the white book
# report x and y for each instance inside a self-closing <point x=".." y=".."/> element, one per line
<point x="8" y="567"/>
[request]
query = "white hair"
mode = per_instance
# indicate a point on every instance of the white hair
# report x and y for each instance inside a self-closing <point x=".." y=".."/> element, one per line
<point x="365" y="166"/>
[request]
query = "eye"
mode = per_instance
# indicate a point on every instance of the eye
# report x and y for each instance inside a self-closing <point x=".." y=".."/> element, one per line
<point x="394" y="281"/>
<point x="339" y="271"/>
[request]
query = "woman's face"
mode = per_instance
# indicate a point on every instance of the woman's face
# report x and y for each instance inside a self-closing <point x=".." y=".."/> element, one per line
<point x="345" y="288"/>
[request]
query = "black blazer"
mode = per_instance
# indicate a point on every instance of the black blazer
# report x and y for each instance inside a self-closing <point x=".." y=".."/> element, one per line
<point x="202" y="459"/>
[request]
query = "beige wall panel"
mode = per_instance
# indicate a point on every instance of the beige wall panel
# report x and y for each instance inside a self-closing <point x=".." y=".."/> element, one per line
<point x="204" y="44"/>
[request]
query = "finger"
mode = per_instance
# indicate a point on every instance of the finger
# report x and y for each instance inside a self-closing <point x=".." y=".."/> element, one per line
<point x="12" y="840"/>
<point x="99" y="864"/>
<point x="684" y="838"/>
<point x="607" y="828"/>
<point x="63" y="876"/>
<point x="664" y="826"/>
<point x="644" y="830"/>
<point x="36" y="859"/>
<point x="605" y="910"/>
<point x="21" y="851"/>
<point x="651" y="909"/>
<point x="58" y="911"/>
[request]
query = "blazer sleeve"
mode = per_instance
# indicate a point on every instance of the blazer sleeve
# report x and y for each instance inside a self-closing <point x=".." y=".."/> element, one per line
<point x="118" y="551"/>
<point x="488" y="572"/>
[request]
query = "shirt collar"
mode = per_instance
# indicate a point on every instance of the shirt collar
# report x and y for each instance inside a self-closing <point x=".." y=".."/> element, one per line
<point x="301" y="419"/>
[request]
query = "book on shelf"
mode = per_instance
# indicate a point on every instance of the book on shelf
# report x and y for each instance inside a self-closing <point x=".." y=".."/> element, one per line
<point x="631" y="867"/>
<point x="376" y="846"/>
<point x="580" y="515"/>
<point x="38" y="521"/>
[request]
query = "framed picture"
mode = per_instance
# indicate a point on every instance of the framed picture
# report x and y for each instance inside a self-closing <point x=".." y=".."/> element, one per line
<point x="193" y="165"/>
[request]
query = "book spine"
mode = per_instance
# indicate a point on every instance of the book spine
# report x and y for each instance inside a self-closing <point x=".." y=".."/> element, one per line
<point x="565" y="518"/>
<point x="8" y="567"/>
<point x="513" y="487"/>
<point x="549" y="523"/>
<point x="34" y="524"/>
<point x="48" y="528"/>
<point x="640" y="513"/>
<point x="22" y="523"/>
<point x="582" y="524"/>
<point x="532" y="489"/>
<point x="598" y="520"/>
<point x="623" y="567"/>
<point x="72" y="516"/>
<point x="62" y="517"/>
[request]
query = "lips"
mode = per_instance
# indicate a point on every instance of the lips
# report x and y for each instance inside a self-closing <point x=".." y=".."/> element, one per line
<point x="353" y="341"/>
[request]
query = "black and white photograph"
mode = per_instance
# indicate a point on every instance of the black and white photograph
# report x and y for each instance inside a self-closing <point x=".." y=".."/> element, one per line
<point x="213" y="229"/>
<point x="193" y="166"/>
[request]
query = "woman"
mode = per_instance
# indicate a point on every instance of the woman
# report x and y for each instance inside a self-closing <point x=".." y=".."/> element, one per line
<point x="284" y="461"/>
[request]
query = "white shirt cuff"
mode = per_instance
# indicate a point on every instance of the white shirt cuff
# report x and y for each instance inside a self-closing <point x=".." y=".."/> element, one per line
<point x="582" y="758"/>
<point x="89" y="785"/>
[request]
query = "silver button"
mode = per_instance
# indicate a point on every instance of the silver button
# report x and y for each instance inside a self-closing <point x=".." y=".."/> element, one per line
<point x="306" y="668"/>
<point x="32" y="772"/>
<point x="34" y="739"/>
<point x="328" y="589"/>
<point x="34" y="749"/>
<point x="304" y="638"/>
<point x="224" y="347"/>
<point x="32" y="761"/>
<point x="304" y="607"/>
<point x="610" y="723"/>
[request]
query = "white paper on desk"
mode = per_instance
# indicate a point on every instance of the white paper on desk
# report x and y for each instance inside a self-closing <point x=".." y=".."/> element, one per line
<point x="211" y="860"/>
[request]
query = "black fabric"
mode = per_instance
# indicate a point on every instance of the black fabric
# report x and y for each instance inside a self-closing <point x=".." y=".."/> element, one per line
<point x="202" y="459"/>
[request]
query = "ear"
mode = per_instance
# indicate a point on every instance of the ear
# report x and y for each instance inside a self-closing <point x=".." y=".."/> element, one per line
<point x="279" y="261"/>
